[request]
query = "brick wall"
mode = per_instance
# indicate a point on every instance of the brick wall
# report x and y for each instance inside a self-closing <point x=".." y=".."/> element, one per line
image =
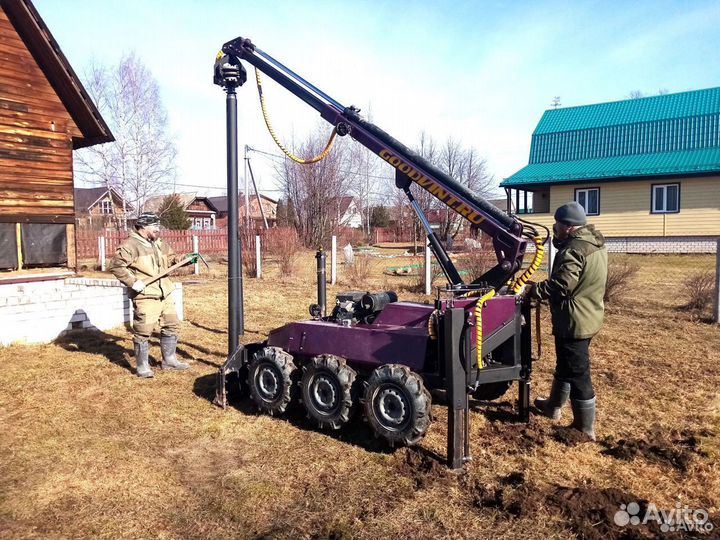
<point x="659" y="244"/>
<point x="41" y="311"/>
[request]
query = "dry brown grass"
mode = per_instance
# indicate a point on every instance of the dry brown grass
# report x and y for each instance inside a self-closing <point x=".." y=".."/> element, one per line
<point x="89" y="450"/>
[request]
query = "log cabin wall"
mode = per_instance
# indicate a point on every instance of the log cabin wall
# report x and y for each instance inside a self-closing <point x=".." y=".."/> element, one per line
<point x="36" y="131"/>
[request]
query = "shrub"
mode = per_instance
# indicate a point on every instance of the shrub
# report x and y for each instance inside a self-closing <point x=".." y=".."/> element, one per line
<point x="247" y="240"/>
<point x="359" y="271"/>
<point x="477" y="260"/>
<point x="284" y="244"/>
<point x="699" y="289"/>
<point x="620" y="271"/>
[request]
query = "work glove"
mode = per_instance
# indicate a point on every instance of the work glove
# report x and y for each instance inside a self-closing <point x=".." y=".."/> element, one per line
<point x="193" y="257"/>
<point x="138" y="286"/>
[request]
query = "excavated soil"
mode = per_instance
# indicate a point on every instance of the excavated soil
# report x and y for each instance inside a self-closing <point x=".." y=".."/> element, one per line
<point x="675" y="448"/>
<point x="570" y="436"/>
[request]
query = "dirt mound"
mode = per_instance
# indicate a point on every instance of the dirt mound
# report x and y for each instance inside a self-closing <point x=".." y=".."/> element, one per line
<point x="511" y="494"/>
<point x="421" y="466"/>
<point x="570" y="436"/>
<point x="591" y="512"/>
<point x="675" y="448"/>
<point x="512" y="438"/>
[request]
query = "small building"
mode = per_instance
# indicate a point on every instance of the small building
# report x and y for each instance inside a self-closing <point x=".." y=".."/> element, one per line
<point x="45" y="114"/>
<point x="201" y="212"/>
<point x="348" y="213"/>
<point x="269" y="210"/>
<point x="647" y="171"/>
<point x="100" y="208"/>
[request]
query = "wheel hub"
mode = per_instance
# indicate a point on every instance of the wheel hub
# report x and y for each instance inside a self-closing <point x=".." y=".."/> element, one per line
<point x="268" y="382"/>
<point x="391" y="407"/>
<point x="324" y="393"/>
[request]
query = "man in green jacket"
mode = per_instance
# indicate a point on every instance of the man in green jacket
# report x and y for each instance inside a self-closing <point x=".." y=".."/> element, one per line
<point x="141" y="257"/>
<point x="575" y="291"/>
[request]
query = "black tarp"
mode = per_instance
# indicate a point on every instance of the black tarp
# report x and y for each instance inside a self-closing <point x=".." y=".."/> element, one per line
<point x="44" y="244"/>
<point x="8" y="251"/>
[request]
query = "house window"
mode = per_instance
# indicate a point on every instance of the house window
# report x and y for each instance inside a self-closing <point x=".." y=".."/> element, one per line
<point x="198" y="223"/>
<point x="665" y="198"/>
<point x="206" y="223"/>
<point x="589" y="199"/>
<point x="106" y="207"/>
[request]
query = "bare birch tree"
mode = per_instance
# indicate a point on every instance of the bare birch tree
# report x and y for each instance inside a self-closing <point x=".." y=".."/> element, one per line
<point x="316" y="189"/>
<point x="141" y="161"/>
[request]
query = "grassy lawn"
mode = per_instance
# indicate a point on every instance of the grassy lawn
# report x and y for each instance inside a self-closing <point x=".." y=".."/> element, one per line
<point x="89" y="450"/>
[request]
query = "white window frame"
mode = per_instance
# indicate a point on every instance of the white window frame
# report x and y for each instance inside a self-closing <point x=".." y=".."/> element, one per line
<point x="653" y="199"/>
<point x="106" y="207"/>
<point x="587" y="191"/>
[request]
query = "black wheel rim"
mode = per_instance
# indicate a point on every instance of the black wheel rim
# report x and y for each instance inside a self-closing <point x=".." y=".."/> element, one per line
<point x="392" y="407"/>
<point x="324" y="391"/>
<point x="268" y="382"/>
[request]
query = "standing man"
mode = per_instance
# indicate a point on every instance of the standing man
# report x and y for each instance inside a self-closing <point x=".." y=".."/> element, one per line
<point x="575" y="291"/>
<point x="141" y="257"/>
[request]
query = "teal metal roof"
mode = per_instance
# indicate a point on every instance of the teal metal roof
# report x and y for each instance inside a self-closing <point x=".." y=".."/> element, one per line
<point x="706" y="160"/>
<point x="629" y="111"/>
<point x="672" y="134"/>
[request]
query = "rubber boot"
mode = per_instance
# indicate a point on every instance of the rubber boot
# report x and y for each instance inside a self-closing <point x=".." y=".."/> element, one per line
<point x="169" y="360"/>
<point x="141" y="359"/>
<point x="584" y="416"/>
<point x="552" y="406"/>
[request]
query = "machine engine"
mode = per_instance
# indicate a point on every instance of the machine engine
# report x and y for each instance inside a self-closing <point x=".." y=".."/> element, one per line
<point x="353" y="307"/>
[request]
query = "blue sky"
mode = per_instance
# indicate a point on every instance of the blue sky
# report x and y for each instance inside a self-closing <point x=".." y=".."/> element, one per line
<point x="482" y="72"/>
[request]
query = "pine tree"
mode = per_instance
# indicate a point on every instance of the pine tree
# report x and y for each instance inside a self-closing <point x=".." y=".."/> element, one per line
<point x="173" y="215"/>
<point x="379" y="216"/>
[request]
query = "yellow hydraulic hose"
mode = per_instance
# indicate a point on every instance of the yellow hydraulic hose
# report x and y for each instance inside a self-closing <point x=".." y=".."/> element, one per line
<point x="534" y="265"/>
<point x="478" y="322"/>
<point x="289" y="154"/>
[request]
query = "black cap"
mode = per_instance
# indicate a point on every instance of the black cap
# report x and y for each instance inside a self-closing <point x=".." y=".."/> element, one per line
<point x="146" y="219"/>
<point x="571" y="214"/>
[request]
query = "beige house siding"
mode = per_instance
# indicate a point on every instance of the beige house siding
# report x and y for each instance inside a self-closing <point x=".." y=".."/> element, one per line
<point x="625" y="208"/>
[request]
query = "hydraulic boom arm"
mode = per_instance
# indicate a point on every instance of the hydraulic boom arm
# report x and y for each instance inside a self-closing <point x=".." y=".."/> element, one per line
<point x="509" y="239"/>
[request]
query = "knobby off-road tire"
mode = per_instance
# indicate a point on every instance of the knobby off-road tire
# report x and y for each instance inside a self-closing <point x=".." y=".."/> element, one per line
<point x="271" y="377"/>
<point x="397" y="404"/>
<point x="329" y="391"/>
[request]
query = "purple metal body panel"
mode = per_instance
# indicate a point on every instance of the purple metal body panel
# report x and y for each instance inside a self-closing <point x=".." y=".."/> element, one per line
<point x="367" y="344"/>
<point x="399" y="335"/>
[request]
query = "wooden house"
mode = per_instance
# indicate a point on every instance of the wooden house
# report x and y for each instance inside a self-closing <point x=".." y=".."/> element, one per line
<point x="45" y="114"/>
<point x="647" y="171"/>
<point x="100" y="208"/>
<point x="200" y="210"/>
<point x="269" y="209"/>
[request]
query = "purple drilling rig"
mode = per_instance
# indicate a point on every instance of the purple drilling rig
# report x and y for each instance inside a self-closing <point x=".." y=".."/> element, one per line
<point x="373" y="352"/>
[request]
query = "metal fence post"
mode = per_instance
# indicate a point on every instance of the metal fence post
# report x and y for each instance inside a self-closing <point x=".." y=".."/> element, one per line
<point x="716" y="315"/>
<point x="196" y="249"/>
<point x="428" y="269"/>
<point x="258" y="258"/>
<point x="101" y="252"/>
<point x="333" y="261"/>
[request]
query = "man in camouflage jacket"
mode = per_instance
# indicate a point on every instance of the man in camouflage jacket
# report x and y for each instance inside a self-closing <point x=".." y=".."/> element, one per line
<point x="141" y="257"/>
<point x="575" y="291"/>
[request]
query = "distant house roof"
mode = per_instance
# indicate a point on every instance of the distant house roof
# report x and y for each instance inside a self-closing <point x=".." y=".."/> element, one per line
<point x="221" y="203"/>
<point x="667" y="135"/>
<point x="46" y="52"/>
<point x="343" y="203"/>
<point x="86" y="198"/>
<point x="153" y="204"/>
